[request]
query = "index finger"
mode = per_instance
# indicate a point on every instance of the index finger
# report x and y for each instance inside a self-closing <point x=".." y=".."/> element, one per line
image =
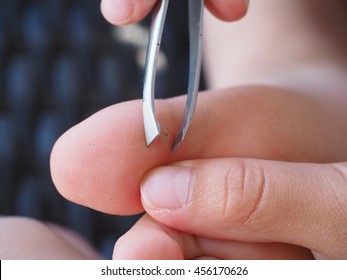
<point x="122" y="12"/>
<point x="100" y="162"/>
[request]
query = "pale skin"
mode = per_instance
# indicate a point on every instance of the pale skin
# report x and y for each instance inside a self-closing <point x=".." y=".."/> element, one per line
<point x="264" y="159"/>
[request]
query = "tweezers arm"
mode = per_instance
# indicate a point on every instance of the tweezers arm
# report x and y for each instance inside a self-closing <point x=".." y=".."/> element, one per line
<point x="196" y="11"/>
<point x="152" y="128"/>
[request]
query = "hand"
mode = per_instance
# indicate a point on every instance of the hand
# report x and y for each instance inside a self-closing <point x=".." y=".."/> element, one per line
<point x="24" y="238"/>
<point x="121" y="12"/>
<point x="101" y="162"/>
<point x="252" y="201"/>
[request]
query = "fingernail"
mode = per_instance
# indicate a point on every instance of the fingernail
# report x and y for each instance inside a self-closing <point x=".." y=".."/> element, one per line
<point x="166" y="188"/>
<point x="120" y="10"/>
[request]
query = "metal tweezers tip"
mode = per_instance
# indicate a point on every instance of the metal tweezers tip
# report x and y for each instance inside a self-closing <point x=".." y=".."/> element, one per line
<point x="152" y="129"/>
<point x="177" y="141"/>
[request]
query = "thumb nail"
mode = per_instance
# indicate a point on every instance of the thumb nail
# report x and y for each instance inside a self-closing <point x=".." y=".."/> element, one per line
<point x="166" y="188"/>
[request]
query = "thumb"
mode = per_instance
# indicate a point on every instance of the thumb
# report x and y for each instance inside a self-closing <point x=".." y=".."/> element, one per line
<point x="122" y="12"/>
<point x="253" y="201"/>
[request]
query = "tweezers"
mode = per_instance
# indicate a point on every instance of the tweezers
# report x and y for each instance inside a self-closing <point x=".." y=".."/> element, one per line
<point x="151" y="125"/>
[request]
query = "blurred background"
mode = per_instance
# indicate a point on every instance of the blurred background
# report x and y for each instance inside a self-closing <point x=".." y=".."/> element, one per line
<point x="60" y="62"/>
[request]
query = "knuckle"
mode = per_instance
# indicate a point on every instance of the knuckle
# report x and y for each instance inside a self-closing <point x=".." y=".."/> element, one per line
<point x="244" y="189"/>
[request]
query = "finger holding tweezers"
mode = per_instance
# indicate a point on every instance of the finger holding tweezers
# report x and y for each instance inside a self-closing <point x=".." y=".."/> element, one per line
<point x="151" y="125"/>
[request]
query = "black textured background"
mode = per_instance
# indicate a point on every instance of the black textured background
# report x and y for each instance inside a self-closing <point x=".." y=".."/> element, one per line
<point x="60" y="62"/>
